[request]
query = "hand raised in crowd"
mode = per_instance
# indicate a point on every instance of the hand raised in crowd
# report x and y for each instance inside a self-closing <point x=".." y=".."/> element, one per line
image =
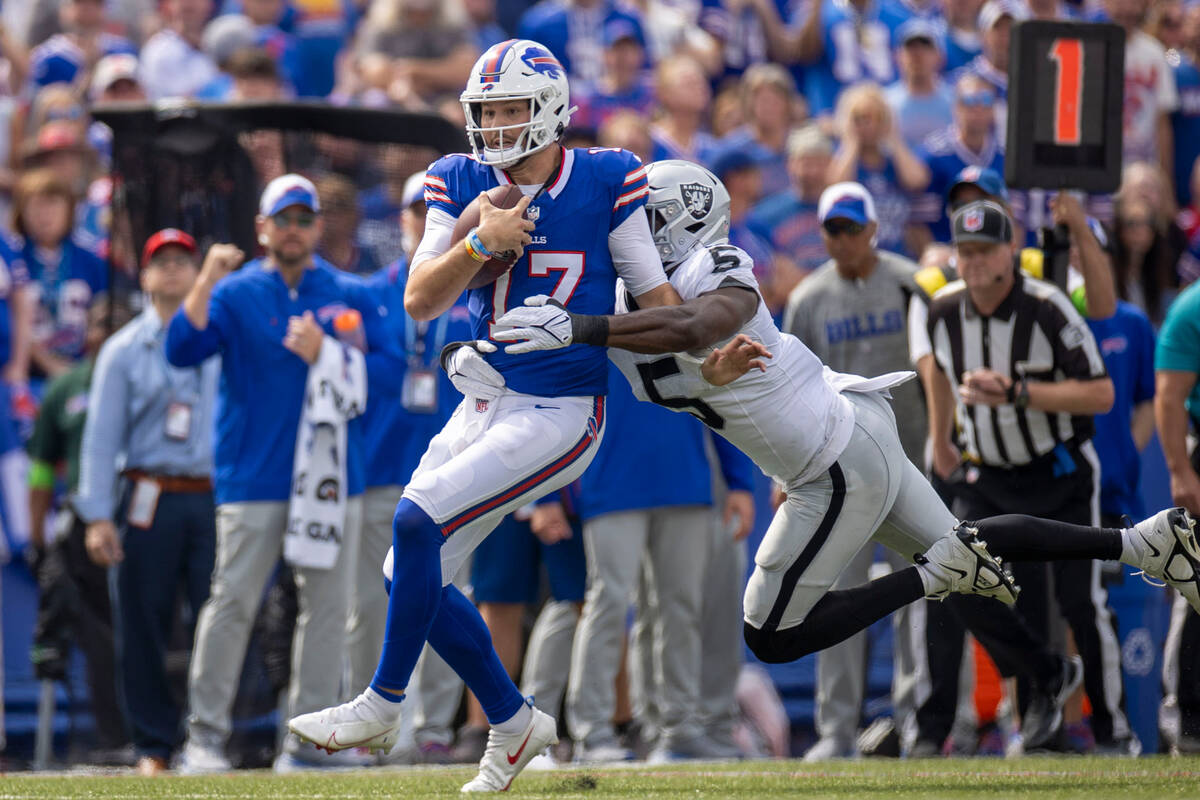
<point x="984" y="387"/>
<point x="502" y="229"/>
<point x="739" y="506"/>
<point x="103" y="544"/>
<point x="1067" y="210"/>
<point x="220" y="260"/>
<point x="304" y="337"/>
<point x="549" y="523"/>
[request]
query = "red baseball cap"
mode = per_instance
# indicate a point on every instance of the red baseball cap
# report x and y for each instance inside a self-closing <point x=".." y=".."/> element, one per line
<point x="163" y="238"/>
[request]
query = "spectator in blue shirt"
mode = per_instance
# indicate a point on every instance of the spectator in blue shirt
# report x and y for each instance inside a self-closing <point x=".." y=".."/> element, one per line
<point x="873" y="154"/>
<point x="922" y="103"/>
<point x="268" y="321"/>
<point x="323" y="28"/>
<point x="969" y="142"/>
<point x="64" y="276"/>
<point x="623" y="85"/>
<point x="996" y="19"/>
<point x="485" y="30"/>
<point x="962" y="33"/>
<point x="684" y="96"/>
<point x="742" y="177"/>
<point x="66" y="56"/>
<point x="1185" y="120"/>
<point x="769" y="106"/>
<point x="840" y="42"/>
<point x="281" y="45"/>
<point x="787" y="221"/>
<point x="158" y="527"/>
<point x="573" y="30"/>
<point x="1126" y="341"/>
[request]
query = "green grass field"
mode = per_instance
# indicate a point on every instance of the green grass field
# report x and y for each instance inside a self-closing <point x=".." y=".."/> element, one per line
<point x="1093" y="778"/>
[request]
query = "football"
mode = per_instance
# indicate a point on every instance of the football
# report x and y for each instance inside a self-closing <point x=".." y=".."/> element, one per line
<point x="501" y="197"/>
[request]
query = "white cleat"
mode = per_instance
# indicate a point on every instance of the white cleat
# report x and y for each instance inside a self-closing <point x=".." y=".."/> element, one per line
<point x="350" y="725"/>
<point x="1167" y="543"/>
<point x="507" y="754"/>
<point x="963" y="562"/>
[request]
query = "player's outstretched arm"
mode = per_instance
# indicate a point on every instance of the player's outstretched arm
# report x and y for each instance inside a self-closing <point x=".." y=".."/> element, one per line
<point x="700" y="322"/>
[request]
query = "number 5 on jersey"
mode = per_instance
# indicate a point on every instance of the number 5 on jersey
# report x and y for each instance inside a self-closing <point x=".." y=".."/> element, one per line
<point x="541" y="263"/>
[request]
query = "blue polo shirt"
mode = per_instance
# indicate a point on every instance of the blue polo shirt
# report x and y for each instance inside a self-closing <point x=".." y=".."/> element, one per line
<point x="396" y="436"/>
<point x="652" y="457"/>
<point x="1126" y="341"/>
<point x="262" y="382"/>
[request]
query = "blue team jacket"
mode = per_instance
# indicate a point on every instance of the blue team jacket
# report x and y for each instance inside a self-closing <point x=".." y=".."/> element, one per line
<point x="262" y="382"/>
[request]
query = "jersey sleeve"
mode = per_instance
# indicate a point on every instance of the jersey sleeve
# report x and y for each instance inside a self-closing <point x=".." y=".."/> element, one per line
<point x="444" y="187"/>
<point x="629" y="186"/>
<point x="1075" y="349"/>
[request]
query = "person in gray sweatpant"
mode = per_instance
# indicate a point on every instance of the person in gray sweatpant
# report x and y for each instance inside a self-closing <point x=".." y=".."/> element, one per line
<point x="646" y="499"/>
<point x="851" y="312"/>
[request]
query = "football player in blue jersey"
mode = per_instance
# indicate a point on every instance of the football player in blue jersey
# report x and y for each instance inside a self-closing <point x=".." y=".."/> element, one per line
<point x="529" y="423"/>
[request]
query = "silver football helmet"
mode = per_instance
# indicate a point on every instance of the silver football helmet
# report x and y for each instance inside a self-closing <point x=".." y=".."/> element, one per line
<point x="688" y="208"/>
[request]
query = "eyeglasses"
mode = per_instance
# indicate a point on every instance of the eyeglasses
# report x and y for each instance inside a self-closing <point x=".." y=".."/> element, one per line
<point x="836" y="227"/>
<point x="303" y="220"/>
<point x="977" y="99"/>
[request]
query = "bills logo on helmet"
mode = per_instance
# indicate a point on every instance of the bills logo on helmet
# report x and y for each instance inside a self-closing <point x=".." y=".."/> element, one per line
<point x="698" y="198"/>
<point x="540" y="60"/>
<point x="973" y="220"/>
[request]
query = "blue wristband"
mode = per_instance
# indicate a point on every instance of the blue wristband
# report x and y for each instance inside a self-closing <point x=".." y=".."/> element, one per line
<point x="477" y="243"/>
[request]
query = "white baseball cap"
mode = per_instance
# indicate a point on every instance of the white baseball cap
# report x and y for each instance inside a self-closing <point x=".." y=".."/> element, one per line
<point x="113" y="68"/>
<point x="288" y="190"/>
<point x="847" y="200"/>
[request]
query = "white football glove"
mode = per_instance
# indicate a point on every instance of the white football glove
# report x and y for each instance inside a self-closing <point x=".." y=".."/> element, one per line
<point x="470" y="373"/>
<point x="541" y="323"/>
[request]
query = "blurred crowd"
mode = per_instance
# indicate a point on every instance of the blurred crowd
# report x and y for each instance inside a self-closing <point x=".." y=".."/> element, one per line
<point x="779" y="99"/>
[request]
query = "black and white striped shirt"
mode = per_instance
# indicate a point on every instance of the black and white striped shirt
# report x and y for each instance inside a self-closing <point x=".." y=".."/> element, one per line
<point x="1036" y="333"/>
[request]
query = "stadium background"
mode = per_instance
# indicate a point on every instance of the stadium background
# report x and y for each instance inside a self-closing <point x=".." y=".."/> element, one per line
<point x="163" y="174"/>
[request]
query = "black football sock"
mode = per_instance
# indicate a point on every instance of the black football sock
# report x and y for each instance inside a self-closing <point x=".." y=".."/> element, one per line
<point x="837" y="616"/>
<point x="1018" y="537"/>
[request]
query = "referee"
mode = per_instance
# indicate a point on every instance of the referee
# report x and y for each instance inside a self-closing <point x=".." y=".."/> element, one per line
<point x="1019" y="369"/>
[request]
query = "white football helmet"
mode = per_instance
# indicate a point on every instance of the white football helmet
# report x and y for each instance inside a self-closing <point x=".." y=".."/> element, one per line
<point x="688" y="208"/>
<point x="517" y="70"/>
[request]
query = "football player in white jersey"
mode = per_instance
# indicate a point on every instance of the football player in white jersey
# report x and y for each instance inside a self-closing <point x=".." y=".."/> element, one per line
<point x="829" y="438"/>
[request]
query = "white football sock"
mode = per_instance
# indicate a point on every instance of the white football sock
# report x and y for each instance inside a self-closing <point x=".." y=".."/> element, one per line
<point x="517" y="722"/>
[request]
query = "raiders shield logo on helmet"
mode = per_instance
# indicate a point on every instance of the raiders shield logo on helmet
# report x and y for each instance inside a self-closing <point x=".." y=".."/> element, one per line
<point x="698" y="198"/>
<point x="973" y="220"/>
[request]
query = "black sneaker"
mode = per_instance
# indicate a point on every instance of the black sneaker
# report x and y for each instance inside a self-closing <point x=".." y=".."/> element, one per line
<point x="1043" y="717"/>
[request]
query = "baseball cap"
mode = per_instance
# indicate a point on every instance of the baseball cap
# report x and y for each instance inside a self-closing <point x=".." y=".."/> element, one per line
<point x="414" y="190"/>
<point x="56" y="136"/>
<point x="919" y="28"/>
<point x="986" y="178"/>
<point x="981" y="221"/>
<point x="163" y="238"/>
<point x="619" y="28"/>
<point x="995" y="10"/>
<point x="731" y="159"/>
<point x="110" y="69"/>
<point x="288" y="190"/>
<point x="847" y="200"/>
<point x="227" y="34"/>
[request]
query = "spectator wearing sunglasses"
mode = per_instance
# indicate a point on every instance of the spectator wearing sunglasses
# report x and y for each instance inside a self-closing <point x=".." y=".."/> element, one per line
<point x="969" y="142"/>
<point x="270" y="321"/>
<point x="996" y="19"/>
